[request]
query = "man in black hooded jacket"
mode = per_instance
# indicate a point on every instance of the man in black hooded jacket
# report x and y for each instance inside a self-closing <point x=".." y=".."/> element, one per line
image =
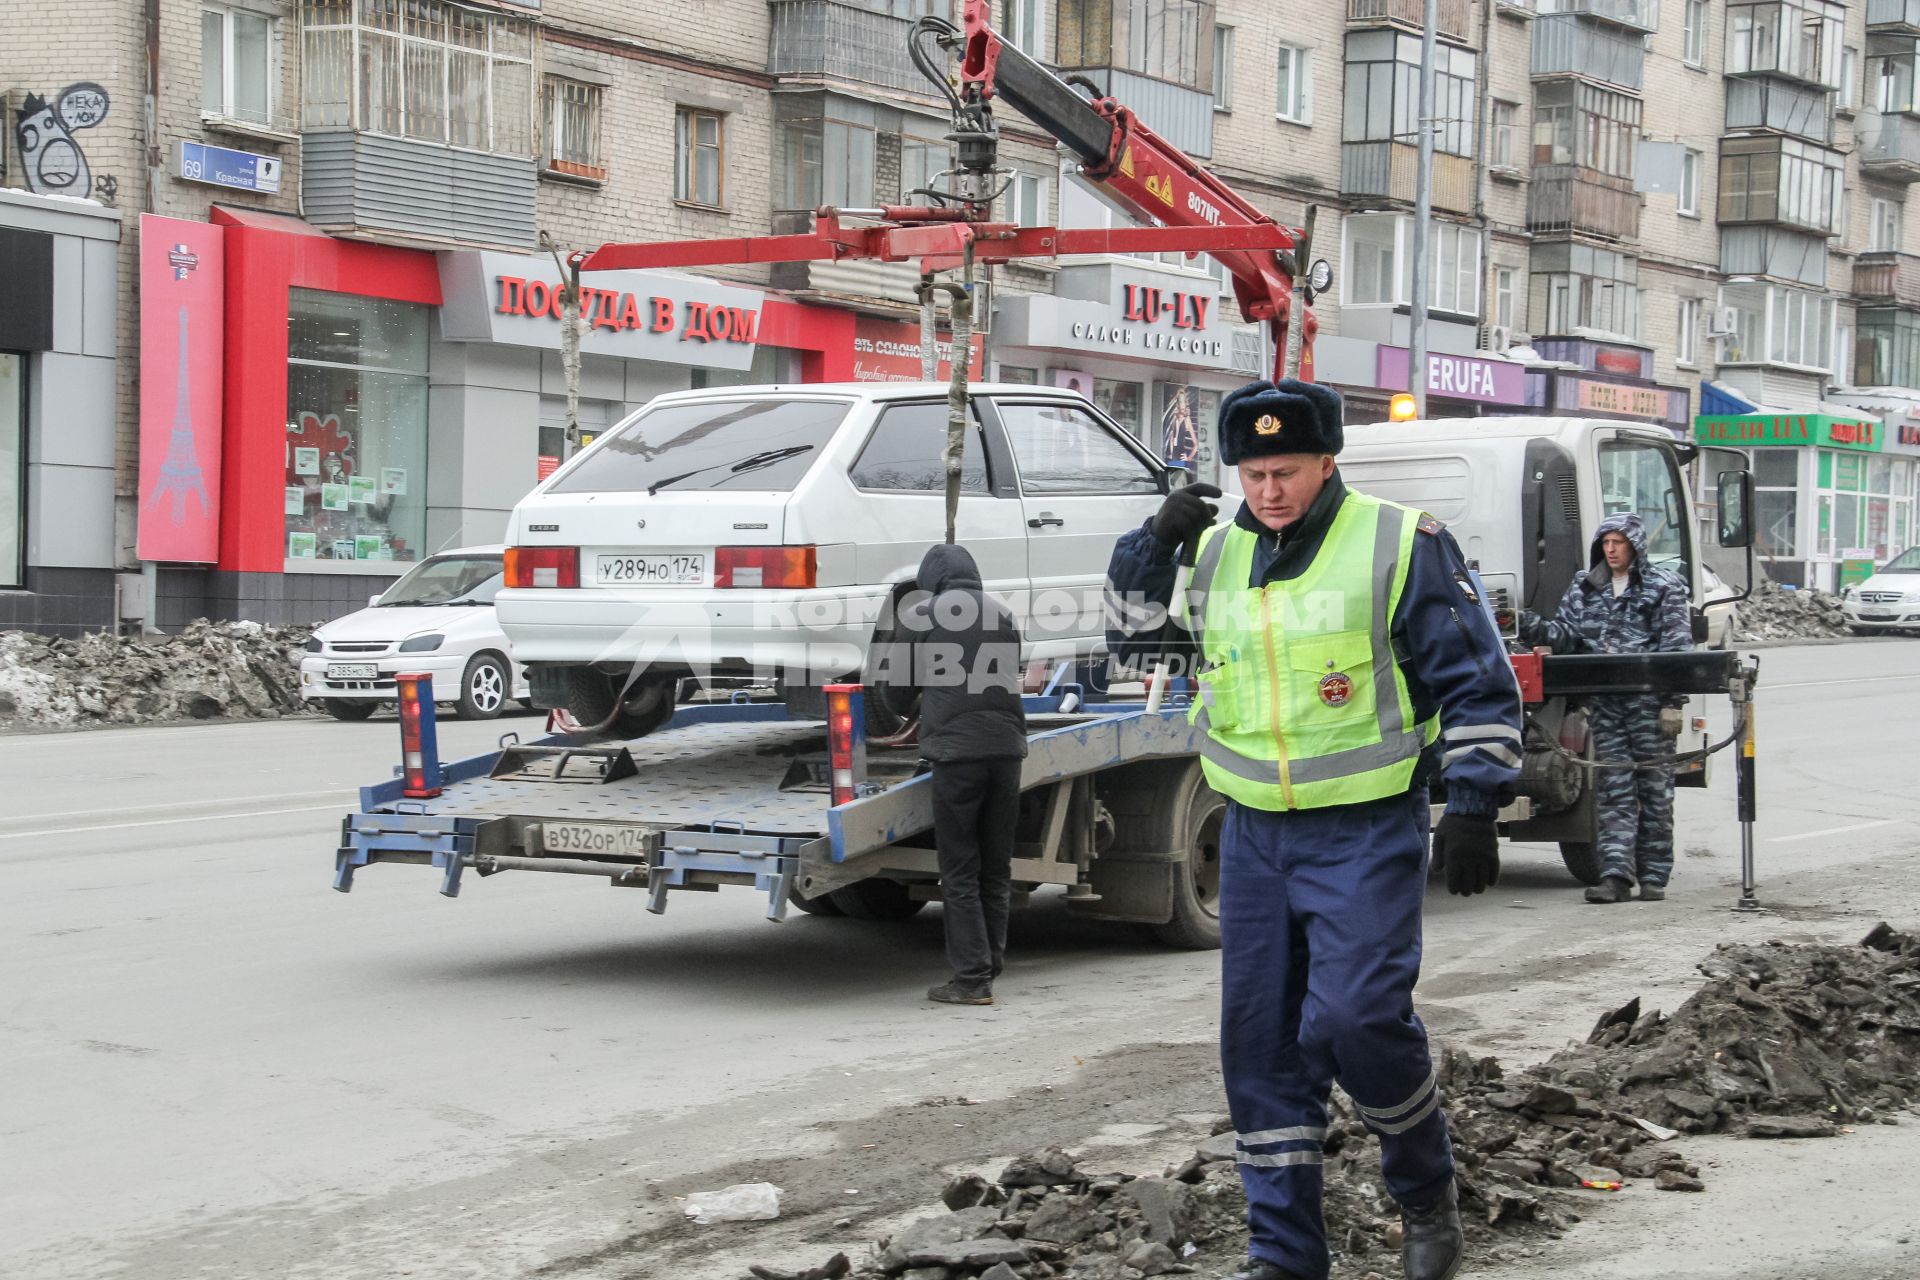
<point x="963" y="648"/>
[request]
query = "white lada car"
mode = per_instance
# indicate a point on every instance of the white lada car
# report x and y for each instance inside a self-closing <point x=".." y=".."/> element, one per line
<point x="767" y="531"/>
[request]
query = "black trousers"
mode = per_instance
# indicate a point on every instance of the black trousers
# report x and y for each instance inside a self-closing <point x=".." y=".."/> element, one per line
<point x="976" y="810"/>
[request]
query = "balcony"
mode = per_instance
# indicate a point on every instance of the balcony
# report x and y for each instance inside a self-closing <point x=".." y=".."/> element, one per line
<point x="1411" y="14"/>
<point x="1890" y="147"/>
<point x="1390" y="171"/>
<point x="1893" y="17"/>
<point x="1567" y="199"/>
<point x="1566" y="45"/>
<point x="1780" y="107"/>
<point x="832" y="40"/>
<point x="1642" y="16"/>
<point x="371" y="185"/>
<point x="1887" y="278"/>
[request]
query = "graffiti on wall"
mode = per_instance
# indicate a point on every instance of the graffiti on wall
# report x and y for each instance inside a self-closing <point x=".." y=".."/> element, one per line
<point x="50" y="154"/>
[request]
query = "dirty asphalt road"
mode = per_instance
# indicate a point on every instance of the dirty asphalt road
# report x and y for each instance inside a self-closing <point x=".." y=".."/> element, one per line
<point x="219" y="1068"/>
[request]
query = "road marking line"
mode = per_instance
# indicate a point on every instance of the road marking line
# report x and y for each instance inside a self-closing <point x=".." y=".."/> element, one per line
<point x="1815" y="684"/>
<point x="160" y="822"/>
<point x="1836" y="831"/>
<point x="343" y="792"/>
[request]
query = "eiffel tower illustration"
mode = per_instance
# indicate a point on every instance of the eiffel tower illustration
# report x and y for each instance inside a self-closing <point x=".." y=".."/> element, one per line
<point x="180" y="473"/>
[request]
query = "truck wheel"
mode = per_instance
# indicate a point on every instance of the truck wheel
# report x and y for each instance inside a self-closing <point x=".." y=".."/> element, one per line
<point x="876" y="900"/>
<point x="1196" y="814"/>
<point x="1582" y="859"/>
<point x="483" y="688"/>
<point x="824" y="905"/>
<point x="590" y="699"/>
<point x="349" y="708"/>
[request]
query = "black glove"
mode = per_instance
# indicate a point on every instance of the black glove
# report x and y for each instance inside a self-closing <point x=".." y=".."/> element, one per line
<point x="1530" y="628"/>
<point x="1469" y="848"/>
<point x="1183" y="516"/>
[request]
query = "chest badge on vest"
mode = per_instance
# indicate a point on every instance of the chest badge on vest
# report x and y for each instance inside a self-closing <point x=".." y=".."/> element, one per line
<point x="1336" y="689"/>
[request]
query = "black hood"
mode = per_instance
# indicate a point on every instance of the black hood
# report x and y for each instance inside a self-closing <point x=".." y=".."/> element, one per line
<point x="946" y="568"/>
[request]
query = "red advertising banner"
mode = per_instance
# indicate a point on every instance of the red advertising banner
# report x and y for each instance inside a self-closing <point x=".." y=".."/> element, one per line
<point x="888" y="351"/>
<point x="182" y="336"/>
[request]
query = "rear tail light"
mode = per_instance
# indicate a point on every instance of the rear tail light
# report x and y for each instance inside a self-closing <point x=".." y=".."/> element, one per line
<point x="543" y="566"/>
<point x="846" y="740"/>
<point x="785" y="568"/>
<point x="419" y="740"/>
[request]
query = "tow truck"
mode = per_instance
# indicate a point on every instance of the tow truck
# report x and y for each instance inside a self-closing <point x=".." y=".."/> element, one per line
<point x="1114" y="805"/>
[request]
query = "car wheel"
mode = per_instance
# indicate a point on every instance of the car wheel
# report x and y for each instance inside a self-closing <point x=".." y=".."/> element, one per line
<point x="1583" y="860"/>
<point x="888" y="709"/>
<point x="483" y="688"/>
<point x="876" y="900"/>
<point x="591" y="700"/>
<point x="824" y="905"/>
<point x="1859" y="631"/>
<point x="1197" y="814"/>
<point x="349" y="708"/>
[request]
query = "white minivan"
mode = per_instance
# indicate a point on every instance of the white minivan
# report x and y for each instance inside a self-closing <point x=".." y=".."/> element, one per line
<point x="768" y="531"/>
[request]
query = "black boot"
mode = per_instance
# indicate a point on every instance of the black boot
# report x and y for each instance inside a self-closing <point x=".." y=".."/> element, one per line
<point x="1434" y="1241"/>
<point x="1610" y="890"/>
<point x="960" y="993"/>
<point x="1261" y="1269"/>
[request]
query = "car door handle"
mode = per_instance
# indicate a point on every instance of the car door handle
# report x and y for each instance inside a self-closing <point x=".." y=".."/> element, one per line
<point x="1044" y="519"/>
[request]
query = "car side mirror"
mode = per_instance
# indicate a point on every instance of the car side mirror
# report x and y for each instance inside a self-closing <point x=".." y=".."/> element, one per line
<point x="1164" y="479"/>
<point x="1736" y="509"/>
<point x="372" y="601"/>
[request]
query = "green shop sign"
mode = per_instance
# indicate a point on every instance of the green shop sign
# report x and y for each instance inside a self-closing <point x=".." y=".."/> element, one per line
<point x="1820" y="430"/>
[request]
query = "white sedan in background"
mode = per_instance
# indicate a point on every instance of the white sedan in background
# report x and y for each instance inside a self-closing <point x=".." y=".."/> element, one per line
<point x="438" y="619"/>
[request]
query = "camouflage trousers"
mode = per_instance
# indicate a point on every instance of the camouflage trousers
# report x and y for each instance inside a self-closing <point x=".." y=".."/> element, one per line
<point x="1634" y="807"/>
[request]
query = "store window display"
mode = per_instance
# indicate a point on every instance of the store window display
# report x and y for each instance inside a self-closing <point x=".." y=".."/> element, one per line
<point x="356" y="429"/>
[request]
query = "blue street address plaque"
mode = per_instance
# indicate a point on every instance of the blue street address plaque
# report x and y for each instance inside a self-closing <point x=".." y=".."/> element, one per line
<point x="241" y="170"/>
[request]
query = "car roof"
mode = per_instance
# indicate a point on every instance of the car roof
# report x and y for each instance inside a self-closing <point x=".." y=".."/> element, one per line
<point x="867" y="391"/>
<point x="454" y="553"/>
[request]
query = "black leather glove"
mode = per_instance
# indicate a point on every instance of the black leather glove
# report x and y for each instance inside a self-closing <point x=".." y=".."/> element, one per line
<point x="1530" y="628"/>
<point x="1469" y="849"/>
<point x="1183" y="516"/>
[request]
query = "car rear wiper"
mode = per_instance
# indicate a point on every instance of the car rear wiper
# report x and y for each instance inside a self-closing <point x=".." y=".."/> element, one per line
<point x="752" y="462"/>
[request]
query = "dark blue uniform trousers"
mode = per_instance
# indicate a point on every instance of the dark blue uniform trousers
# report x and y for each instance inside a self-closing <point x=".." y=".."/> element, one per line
<point x="1320" y="934"/>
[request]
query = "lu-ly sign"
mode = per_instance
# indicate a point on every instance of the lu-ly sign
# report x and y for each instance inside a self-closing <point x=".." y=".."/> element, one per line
<point x="182" y="335"/>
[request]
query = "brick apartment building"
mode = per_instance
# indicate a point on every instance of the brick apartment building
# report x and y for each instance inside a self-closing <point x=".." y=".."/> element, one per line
<point x="1687" y="213"/>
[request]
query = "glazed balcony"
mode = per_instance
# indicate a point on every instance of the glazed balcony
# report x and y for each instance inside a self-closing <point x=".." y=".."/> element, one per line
<point x="1390" y="171"/>
<point x="1889" y="147"/>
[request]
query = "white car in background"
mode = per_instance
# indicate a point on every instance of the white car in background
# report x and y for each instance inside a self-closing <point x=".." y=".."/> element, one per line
<point x="438" y="619"/>
<point x="1719" y="602"/>
<point x="751" y="530"/>
<point x="1889" y="600"/>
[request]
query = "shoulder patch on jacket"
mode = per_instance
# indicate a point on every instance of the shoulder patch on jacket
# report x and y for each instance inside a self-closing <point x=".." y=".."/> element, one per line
<point x="1430" y="526"/>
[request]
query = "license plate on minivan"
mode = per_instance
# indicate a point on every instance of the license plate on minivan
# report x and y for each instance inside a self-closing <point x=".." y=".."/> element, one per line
<point x="685" y="568"/>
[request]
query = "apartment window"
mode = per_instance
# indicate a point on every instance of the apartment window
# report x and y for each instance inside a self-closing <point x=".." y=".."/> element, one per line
<point x="236" y="65"/>
<point x="922" y="162"/>
<point x="1293" y="80"/>
<point x="1688" y="202"/>
<point x="1883" y="231"/>
<point x="1027" y="200"/>
<point x="1383" y="92"/>
<point x="1686" y="341"/>
<point x="1776" y="325"/>
<point x="1842" y="363"/>
<point x="1505" y="135"/>
<point x="1781" y="180"/>
<point x="700" y="157"/>
<point x="570" y="110"/>
<point x="1166" y="39"/>
<point x="1849" y="99"/>
<point x="1693" y="33"/>
<point x="1577" y="123"/>
<point x="1223" y="68"/>
<point x="420" y="69"/>
<point x="1504" y="299"/>
<point x="1584" y="287"/>
<point x="825" y="149"/>
<point x="1379" y="264"/>
<point x="1799" y="39"/>
<point x="1026" y="27"/>
<point x="1886" y="353"/>
<point x="1893" y="78"/>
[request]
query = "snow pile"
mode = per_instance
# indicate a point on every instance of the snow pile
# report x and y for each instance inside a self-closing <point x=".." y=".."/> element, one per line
<point x="1775" y="613"/>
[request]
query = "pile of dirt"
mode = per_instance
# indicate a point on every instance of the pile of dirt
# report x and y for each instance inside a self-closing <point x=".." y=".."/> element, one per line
<point x="209" y="671"/>
<point x="1781" y="1042"/>
<point x="1775" y="613"/>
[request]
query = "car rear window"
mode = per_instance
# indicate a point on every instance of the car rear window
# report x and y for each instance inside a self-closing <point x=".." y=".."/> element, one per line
<point x="766" y="445"/>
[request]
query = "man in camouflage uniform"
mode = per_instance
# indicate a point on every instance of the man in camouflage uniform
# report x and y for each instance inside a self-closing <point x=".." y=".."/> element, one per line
<point x="1626" y="604"/>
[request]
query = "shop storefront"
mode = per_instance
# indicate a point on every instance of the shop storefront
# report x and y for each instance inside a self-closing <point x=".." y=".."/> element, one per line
<point x="1458" y="386"/>
<point x="1827" y="491"/>
<point x="1605" y="380"/>
<point x="59" y="307"/>
<point x="1150" y="348"/>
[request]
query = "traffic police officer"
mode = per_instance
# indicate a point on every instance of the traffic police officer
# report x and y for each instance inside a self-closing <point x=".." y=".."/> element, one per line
<point x="1345" y="663"/>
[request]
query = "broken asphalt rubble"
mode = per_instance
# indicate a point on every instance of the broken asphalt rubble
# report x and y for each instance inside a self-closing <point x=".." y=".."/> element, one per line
<point x="211" y="670"/>
<point x="1774" y="613"/>
<point x="1782" y="1041"/>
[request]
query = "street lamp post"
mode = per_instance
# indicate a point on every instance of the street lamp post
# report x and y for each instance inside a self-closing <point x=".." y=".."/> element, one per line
<point x="1422" y="218"/>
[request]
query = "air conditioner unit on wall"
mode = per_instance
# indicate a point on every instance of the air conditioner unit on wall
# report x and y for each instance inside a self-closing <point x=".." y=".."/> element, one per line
<point x="1722" y="322"/>
<point x="1495" y="338"/>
